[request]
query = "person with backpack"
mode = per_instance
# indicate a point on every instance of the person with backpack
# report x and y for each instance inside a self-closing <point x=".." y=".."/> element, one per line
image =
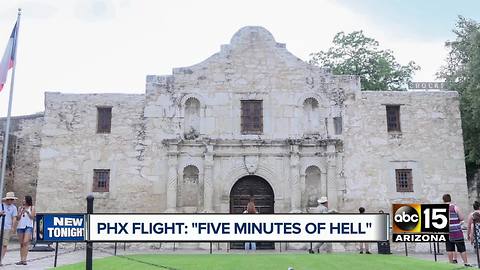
<point x="455" y="236"/>
<point x="473" y="225"/>
<point x="9" y="213"/>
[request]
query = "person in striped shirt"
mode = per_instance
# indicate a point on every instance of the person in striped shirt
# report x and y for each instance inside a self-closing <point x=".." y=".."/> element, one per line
<point x="455" y="237"/>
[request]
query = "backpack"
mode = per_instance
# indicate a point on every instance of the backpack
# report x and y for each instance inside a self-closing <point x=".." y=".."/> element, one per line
<point x="476" y="217"/>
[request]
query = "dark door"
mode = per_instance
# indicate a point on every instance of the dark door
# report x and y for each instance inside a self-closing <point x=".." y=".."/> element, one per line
<point x="255" y="187"/>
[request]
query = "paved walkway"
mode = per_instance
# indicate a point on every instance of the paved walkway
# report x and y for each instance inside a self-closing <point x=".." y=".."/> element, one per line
<point x="45" y="260"/>
<point x="69" y="255"/>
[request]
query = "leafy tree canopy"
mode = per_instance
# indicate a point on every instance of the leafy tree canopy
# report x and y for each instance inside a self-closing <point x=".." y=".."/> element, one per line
<point x="462" y="73"/>
<point x="356" y="54"/>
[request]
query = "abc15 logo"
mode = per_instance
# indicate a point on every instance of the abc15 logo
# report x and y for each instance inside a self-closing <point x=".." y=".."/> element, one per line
<point x="420" y="218"/>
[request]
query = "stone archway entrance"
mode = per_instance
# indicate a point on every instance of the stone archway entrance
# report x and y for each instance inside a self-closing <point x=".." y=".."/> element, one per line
<point x="252" y="186"/>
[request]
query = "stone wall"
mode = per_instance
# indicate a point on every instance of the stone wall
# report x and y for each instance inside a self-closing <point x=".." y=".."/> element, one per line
<point x="23" y="155"/>
<point x="72" y="149"/>
<point x="430" y="143"/>
<point x="252" y="67"/>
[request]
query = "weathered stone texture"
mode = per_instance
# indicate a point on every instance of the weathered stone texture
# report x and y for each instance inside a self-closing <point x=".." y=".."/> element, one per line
<point x="23" y="156"/>
<point x="71" y="149"/>
<point x="430" y="144"/>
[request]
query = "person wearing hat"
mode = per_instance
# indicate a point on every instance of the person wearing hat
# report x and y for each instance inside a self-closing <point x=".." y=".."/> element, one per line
<point x="322" y="205"/>
<point x="9" y="213"/>
<point x="322" y="208"/>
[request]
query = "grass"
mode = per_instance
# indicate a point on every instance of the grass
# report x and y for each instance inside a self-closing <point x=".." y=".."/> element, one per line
<point x="263" y="262"/>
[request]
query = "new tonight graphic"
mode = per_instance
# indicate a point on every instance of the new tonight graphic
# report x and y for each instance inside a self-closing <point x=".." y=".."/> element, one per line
<point x="61" y="227"/>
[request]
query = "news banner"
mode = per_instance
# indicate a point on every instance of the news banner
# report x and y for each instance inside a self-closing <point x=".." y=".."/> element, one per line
<point x="411" y="223"/>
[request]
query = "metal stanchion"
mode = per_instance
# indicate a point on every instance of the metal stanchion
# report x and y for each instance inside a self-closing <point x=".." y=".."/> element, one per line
<point x="56" y="255"/>
<point x="438" y="249"/>
<point x="124" y="246"/>
<point x="406" y="249"/>
<point x="1" y="233"/>
<point x="89" y="248"/>
<point x="210" y="247"/>
<point x="115" y="250"/>
<point x="434" y="251"/>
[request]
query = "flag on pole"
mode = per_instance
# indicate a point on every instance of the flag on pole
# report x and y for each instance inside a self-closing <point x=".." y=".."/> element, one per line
<point x="8" y="57"/>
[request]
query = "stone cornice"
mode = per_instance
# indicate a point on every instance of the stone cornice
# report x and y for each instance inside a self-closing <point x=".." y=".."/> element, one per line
<point x="252" y="142"/>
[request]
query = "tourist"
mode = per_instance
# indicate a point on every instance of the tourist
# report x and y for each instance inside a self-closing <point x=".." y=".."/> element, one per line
<point x="473" y="225"/>
<point x="455" y="238"/>
<point x="9" y="213"/>
<point x="322" y="208"/>
<point x="363" y="245"/>
<point x="26" y="215"/>
<point x="250" y="210"/>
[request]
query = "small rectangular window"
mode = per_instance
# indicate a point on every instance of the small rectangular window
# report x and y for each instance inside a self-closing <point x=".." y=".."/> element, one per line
<point x="337" y="122"/>
<point x="393" y="118"/>
<point x="104" y="119"/>
<point x="404" y="180"/>
<point x="101" y="180"/>
<point x="252" y="117"/>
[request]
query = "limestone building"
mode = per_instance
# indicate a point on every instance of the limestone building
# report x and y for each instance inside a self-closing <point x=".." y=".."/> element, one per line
<point x="251" y="120"/>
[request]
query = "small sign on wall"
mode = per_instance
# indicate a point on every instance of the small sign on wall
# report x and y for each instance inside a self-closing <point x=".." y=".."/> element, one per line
<point x="427" y="85"/>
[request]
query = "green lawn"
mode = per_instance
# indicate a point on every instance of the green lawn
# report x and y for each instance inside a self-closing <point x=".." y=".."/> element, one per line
<point x="264" y="262"/>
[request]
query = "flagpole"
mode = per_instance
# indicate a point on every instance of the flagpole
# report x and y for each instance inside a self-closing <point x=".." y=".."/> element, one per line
<point x="7" y="124"/>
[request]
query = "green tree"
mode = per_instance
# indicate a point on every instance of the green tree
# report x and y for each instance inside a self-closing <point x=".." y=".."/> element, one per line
<point x="462" y="73"/>
<point x="356" y="54"/>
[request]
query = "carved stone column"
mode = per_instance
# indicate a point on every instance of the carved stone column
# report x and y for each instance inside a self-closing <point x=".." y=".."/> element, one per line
<point x="207" y="180"/>
<point x="332" y="178"/>
<point x="296" y="192"/>
<point x="172" y="182"/>
<point x="323" y="182"/>
<point x="303" y="192"/>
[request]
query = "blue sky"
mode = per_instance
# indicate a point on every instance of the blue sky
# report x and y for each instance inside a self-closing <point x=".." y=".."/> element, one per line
<point x="423" y="19"/>
<point x="109" y="46"/>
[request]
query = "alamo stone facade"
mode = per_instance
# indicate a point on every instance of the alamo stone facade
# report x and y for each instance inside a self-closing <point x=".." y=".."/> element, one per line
<point x="251" y="120"/>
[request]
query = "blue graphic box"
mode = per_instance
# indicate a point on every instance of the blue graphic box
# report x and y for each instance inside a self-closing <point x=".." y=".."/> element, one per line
<point x="60" y="227"/>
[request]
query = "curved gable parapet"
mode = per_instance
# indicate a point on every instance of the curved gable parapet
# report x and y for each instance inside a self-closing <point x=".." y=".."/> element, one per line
<point x="253" y="62"/>
<point x="253" y="41"/>
<point x="253" y="34"/>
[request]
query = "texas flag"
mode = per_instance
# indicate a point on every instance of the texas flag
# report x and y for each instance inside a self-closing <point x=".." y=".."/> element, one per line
<point x="8" y="57"/>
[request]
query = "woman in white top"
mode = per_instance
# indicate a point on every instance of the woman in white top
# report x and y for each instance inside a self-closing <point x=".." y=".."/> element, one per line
<point x="26" y="215"/>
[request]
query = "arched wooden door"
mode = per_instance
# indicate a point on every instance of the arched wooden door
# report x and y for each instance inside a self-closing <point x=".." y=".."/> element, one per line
<point x="259" y="189"/>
